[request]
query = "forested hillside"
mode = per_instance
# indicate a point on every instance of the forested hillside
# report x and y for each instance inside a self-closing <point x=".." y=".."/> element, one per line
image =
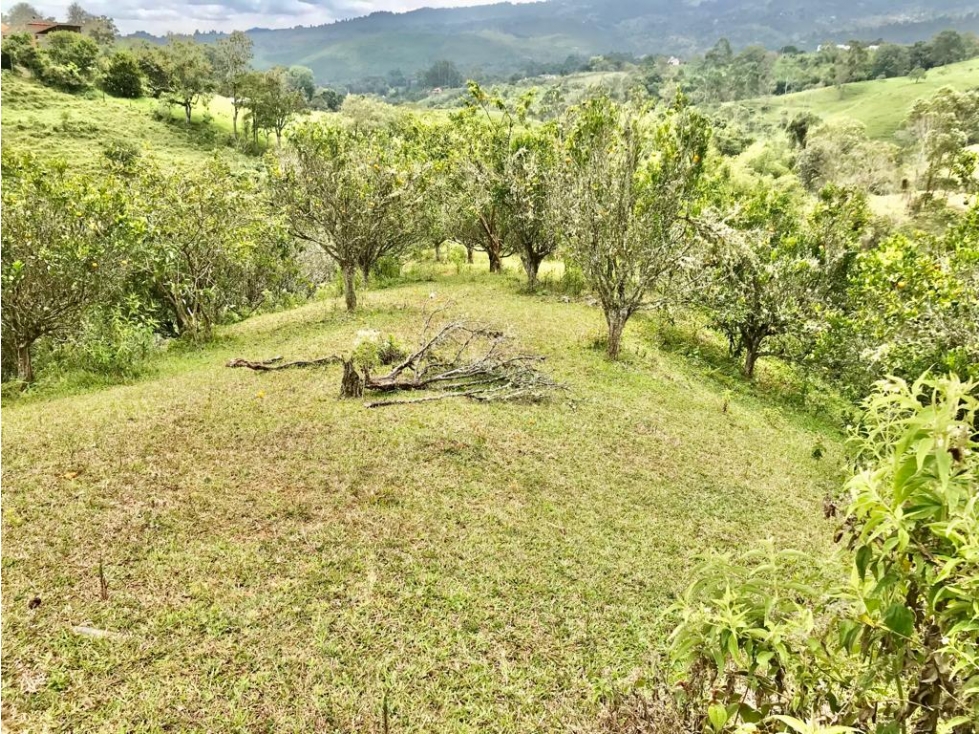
<point x="505" y="38"/>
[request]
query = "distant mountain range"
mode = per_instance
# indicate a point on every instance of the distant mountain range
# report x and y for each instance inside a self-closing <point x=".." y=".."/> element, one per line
<point x="503" y="38"/>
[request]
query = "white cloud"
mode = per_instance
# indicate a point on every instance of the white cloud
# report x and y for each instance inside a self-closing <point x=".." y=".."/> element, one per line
<point x="186" y="16"/>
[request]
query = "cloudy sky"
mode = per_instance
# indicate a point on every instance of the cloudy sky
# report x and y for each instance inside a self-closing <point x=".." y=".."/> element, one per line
<point x="185" y="16"/>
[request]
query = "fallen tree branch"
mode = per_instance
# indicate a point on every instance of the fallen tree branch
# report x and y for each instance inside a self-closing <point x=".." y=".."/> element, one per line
<point x="460" y="359"/>
<point x="270" y="365"/>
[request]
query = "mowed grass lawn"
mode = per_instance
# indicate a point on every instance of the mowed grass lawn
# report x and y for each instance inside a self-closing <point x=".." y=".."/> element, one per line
<point x="278" y="560"/>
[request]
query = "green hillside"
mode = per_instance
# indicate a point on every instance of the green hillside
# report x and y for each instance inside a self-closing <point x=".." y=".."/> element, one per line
<point x="77" y="128"/>
<point x="882" y="105"/>
<point x="277" y="559"/>
<point x="503" y="38"/>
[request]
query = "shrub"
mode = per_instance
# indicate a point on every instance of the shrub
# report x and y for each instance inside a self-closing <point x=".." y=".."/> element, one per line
<point x="121" y="75"/>
<point x="110" y="342"/>
<point x="766" y="641"/>
<point x="66" y="77"/>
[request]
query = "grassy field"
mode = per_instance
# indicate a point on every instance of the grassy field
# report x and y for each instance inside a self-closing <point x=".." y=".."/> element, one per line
<point x="278" y="560"/>
<point x="78" y="127"/>
<point x="881" y="105"/>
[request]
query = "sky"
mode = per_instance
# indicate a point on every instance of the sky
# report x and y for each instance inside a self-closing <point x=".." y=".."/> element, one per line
<point x="185" y="16"/>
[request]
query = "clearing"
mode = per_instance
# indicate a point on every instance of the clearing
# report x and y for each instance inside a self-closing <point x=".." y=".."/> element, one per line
<point x="278" y="560"/>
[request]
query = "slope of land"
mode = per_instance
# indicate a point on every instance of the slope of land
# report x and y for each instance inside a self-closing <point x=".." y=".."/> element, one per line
<point x="78" y="128"/>
<point x="504" y="37"/>
<point x="882" y="105"/>
<point x="276" y="559"/>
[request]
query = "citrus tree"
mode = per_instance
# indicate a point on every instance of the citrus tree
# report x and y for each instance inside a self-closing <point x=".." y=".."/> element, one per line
<point x="64" y="243"/>
<point x="351" y="192"/>
<point x="630" y="195"/>
<point x="211" y="243"/>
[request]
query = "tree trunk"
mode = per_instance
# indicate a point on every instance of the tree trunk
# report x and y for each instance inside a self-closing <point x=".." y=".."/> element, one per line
<point x="234" y="121"/>
<point x="531" y="266"/>
<point x="438" y="252"/>
<point x="469" y="254"/>
<point x="365" y="270"/>
<point x="25" y="368"/>
<point x="188" y="109"/>
<point x="352" y="385"/>
<point x="616" y="320"/>
<point x="751" y="354"/>
<point x="496" y="262"/>
<point x="349" y="276"/>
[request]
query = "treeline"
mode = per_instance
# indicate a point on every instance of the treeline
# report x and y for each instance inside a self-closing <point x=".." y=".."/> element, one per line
<point x="722" y="75"/>
<point x="638" y="201"/>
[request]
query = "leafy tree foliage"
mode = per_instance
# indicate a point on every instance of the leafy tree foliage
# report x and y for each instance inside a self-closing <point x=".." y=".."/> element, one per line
<point x="120" y="75"/>
<point x="179" y="72"/>
<point x="630" y="197"/>
<point x="69" y="60"/>
<point x="942" y="127"/>
<point x="300" y="79"/>
<point x="23" y="53"/>
<point x="914" y="306"/>
<point x="485" y="133"/>
<point x="20" y="14"/>
<point x="62" y="247"/>
<point x="100" y="28"/>
<point x="776" y="277"/>
<point x="891" y="60"/>
<point x="767" y="641"/>
<point x="232" y="62"/>
<point x="271" y="102"/>
<point x="531" y="197"/>
<point x="352" y="193"/>
<point x="442" y="74"/>
<point x="327" y="99"/>
<point x="211" y="245"/>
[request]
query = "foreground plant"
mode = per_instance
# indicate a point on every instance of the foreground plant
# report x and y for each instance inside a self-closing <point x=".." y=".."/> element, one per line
<point x="763" y="644"/>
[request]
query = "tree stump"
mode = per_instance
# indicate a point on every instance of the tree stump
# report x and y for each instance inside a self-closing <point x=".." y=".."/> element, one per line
<point x="352" y="385"/>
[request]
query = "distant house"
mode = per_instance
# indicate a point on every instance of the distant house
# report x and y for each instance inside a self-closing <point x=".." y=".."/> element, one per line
<point x="38" y="28"/>
<point x="674" y="61"/>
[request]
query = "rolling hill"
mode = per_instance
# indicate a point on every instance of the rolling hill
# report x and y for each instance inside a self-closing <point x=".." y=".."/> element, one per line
<point x="882" y="104"/>
<point x="504" y="37"/>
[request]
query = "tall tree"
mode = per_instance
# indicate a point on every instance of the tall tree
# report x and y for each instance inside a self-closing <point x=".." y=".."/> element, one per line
<point x="232" y="62"/>
<point x="271" y="102"/>
<point x="485" y="131"/>
<point x="206" y="232"/>
<point x="190" y="74"/>
<point x="531" y="197"/>
<point x="20" y="14"/>
<point x="301" y="79"/>
<point x="630" y="197"/>
<point x="442" y="74"/>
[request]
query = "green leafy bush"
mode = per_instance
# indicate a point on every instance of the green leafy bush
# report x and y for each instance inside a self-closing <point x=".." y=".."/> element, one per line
<point x="764" y="642"/>
<point x="110" y="342"/>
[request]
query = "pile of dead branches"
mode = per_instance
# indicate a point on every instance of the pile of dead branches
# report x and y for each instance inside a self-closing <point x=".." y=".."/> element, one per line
<point x="458" y="359"/>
